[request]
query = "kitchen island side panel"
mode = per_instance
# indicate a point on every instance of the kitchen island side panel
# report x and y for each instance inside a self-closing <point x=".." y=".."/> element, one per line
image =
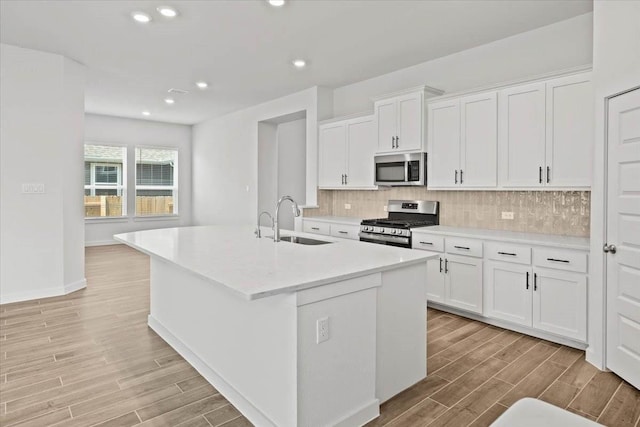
<point x="248" y="346"/>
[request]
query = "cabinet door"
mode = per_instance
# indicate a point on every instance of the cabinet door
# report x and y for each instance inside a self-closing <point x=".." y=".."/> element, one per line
<point x="560" y="303"/>
<point x="443" y="153"/>
<point x="507" y="292"/>
<point x="464" y="282"/>
<point x="521" y="135"/>
<point x="332" y="155"/>
<point x="435" y="280"/>
<point x="361" y="147"/>
<point x="479" y="140"/>
<point x="410" y="116"/>
<point x="570" y="112"/>
<point x="386" y="119"/>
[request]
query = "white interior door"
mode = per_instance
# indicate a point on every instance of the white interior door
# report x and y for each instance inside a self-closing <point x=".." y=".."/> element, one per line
<point x="623" y="231"/>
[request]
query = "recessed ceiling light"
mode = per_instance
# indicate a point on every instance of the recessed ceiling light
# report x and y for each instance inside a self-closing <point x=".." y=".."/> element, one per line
<point x="276" y="3"/>
<point x="167" y="11"/>
<point x="202" y="85"/>
<point x="146" y="113"/>
<point x="299" y="63"/>
<point x="169" y="101"/>
<point x="141" y="17"/>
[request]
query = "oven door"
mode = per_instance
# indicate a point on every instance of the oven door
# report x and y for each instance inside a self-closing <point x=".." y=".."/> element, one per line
<point x="380" y="239"/>
<point x="400" y="169"/>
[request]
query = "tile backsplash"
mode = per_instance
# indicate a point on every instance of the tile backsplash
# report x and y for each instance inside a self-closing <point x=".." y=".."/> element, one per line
<point x="551" y="212"/>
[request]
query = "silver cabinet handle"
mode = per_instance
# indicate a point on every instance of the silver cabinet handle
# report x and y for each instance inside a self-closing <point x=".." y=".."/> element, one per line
<point x="609" y="248"/>
<point x="566" y="261"/>
<point x="446" y="266"/>
<point x="456" y="176"/>
<point x="460" y="176"/>
<point x="507" y="253"/>
<point x="548" y="174"/>
<point x="540" y="174"/>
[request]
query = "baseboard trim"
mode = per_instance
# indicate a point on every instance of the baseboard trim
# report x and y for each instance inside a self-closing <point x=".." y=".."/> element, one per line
<point x="43" y="293"/>
<point x="247" y="409"/>
<point x="101" y="243"/>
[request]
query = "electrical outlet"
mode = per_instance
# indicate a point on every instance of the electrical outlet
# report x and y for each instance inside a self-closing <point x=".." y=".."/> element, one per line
<point x="322" y="330"/>
<point x="385" y="208"/>
<point x="347" y="206"/>
<point x="507" y="215"/>
<point x="33" y="188"/>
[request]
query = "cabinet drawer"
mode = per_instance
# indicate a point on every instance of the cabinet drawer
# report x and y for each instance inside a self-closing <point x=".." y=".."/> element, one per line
<point x="427" y="242"/>
<point x="316" y="227"/>
<point x="509" y="253"/>
<point x="467" y="247"/>
<point x="345" y="231"/>
<point x="560" y="259"/>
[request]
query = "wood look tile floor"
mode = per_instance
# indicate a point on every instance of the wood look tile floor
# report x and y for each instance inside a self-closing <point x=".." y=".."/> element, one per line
<point x="89" y="359"/>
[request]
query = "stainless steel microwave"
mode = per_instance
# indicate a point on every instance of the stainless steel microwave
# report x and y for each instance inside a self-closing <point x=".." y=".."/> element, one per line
<point x="401" y="169"/>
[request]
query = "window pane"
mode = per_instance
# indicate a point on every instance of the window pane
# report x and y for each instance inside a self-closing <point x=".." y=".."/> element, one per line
<point x="156" y="181"/>
<point x="104" y="182"/>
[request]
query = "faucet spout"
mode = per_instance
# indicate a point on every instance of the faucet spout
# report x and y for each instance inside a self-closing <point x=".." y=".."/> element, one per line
<point x="276" y="226"/>
<point x="257" y="232"/>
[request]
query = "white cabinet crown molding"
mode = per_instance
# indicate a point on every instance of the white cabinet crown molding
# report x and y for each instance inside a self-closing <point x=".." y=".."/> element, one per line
<point x="428" y="90"/>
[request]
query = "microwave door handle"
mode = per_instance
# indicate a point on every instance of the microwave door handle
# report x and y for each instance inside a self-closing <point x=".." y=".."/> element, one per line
<point x="407" y="165"/>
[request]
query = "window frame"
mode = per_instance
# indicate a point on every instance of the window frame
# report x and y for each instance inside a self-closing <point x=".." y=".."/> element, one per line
<point x="174" y="188"/>
<point x="120" y="187"/>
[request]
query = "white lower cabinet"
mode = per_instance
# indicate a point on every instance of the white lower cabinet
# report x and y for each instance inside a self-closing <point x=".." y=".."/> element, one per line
<point x="508" y="292"/>
<point x="464" y="282"/>
<point x="560" y="303"/>
<point x="546" y="292"/>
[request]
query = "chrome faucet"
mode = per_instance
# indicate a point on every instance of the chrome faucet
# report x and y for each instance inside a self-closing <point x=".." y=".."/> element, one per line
<point x="276" y="226"/>
<point x="257" y="232"/>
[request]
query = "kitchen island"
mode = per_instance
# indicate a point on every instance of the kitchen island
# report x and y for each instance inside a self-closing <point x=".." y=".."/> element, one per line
<point x="291" y="334"/>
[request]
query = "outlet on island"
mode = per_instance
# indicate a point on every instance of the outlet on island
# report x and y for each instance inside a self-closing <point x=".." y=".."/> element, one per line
<point x="347" y="206"/>
<point x="322" y="330"/>
<point x="507" y="215"/>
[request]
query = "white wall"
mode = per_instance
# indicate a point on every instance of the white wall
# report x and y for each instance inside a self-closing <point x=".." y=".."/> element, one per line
<point x="291" y="167"/>
<point x="616" y="68"/>
<point x="565" y="44"/>
<point x="130" y="133"/>
<point x="41" y="126"/>
<point x="225" y="157"/>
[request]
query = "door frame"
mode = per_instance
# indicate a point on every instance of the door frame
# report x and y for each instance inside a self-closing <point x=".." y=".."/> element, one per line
<point x="596" y="353"/>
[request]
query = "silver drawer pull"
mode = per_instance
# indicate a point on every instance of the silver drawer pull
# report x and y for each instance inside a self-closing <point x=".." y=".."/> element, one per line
<point x="343" y="232"/>
<point x="315" y="228"/>
<point x="462" y="247"/>
<point x="507" y="253"/>
<point x="426" y="243"/>
<point x="558" y="260"/>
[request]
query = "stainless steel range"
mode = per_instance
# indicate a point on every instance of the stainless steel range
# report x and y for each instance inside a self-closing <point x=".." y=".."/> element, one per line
<point x="404" y="215"/>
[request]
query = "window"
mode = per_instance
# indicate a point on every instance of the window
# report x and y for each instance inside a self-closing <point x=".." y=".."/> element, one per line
<point x="104" y="181"/>
<point x="156" y="181"/>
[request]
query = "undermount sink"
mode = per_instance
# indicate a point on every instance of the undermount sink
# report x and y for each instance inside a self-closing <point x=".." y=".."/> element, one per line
<point x="303" y="240"/>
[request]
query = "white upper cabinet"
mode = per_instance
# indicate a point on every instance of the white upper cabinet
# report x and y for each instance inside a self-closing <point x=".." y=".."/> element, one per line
<point x="333" y="155"/>
<point x="570" y="133"/>
<point x="462" y="142"/>
<point x="522" y="135"/>
<point x="546" y="134"/>
<point x="443" y="152"/>
<point x="346" y="149"/>
<point x="400" y="120"/>
<point x="479" y="140"/>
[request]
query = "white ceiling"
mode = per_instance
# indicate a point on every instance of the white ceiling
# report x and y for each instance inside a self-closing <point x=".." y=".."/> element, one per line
<point x="244" y="48"/>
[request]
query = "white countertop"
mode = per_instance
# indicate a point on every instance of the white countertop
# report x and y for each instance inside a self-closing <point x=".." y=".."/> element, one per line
<point x="255" y="268"/>
<point x="335" y="219"/>
<point x="566" y="242"/>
